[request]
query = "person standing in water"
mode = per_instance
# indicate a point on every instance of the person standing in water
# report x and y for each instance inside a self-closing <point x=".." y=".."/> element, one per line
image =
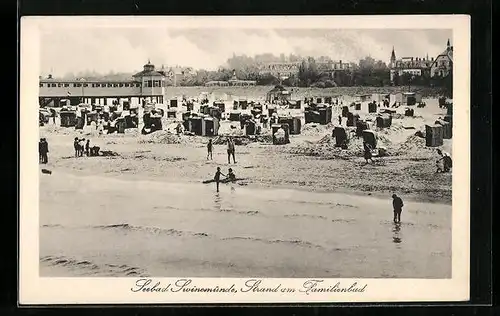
<point x="217" y="177"/>
<point x="209" y="149"/>
<point x="397" y="205"/>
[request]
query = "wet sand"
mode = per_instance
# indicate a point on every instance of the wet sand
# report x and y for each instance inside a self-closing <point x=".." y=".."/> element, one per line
<point x="101" y="226"/>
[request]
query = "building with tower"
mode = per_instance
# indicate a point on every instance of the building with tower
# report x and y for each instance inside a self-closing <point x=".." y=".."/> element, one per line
<point x="422" y="66"/>
<point x="413" y="66"/>
<point x="147" y="85"/>
<point x="442" y="66"/>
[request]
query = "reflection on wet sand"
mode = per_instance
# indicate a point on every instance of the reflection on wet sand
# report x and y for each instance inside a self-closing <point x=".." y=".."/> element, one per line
<point x="396" y="230"/>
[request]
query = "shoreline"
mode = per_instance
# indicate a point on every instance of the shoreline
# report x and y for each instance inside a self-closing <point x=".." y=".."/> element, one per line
<point x="411" y="197"/>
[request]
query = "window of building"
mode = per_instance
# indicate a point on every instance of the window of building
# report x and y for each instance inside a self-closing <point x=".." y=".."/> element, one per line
<point x="115" y="85"/>
<point x="41" y="85"/>
<point x="110" y="85"/>
<point x="59" y="85"/>
<point x="121" y="85"/>
<point x="85" y="85"/>
<point x="138" y="85"/>
<point x="66" y="85"/>
<point x="126" y="85"/>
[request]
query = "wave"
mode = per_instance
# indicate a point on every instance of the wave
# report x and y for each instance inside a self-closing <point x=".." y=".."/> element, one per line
<point x="153" y="230"/>
<point x="332" y="205"/>
<point x="180" y="233"/>
<point x="90" y="268"/>
<point x="294" y="242"/>
<point x="52" y="226"/>
<point x="306" y="216"/>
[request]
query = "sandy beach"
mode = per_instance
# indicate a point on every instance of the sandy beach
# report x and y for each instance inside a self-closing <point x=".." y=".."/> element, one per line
<point x="143" y="210"/>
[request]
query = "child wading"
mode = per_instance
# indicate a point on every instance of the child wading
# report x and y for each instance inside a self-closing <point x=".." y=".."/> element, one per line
<point x="230" y="175"/>
<point x="217" y="177"/>
<point x="209" y="149"/>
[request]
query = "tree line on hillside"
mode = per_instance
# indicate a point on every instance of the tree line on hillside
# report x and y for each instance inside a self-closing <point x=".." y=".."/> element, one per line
<point x="367" y="72"/>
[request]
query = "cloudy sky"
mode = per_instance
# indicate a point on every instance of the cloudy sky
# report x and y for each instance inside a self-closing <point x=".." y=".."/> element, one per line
<point x="126" y="50"/>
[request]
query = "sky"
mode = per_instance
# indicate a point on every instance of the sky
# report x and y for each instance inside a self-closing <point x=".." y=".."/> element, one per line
<point x="127" y="49"/>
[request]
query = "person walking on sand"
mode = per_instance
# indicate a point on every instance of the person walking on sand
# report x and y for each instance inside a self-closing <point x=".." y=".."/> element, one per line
<point x="230" y="150"/>
<point x="217" y="177"/>
<point x="397" y="205"/>
<point x="209" y="149"/>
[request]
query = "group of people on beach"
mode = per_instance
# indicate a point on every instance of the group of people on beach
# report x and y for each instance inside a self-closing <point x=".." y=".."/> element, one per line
<point x="230" y="150"/>
<point x="82" y="147"/>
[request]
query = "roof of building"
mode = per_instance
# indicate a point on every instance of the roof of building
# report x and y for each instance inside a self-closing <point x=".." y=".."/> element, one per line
<point x="146" y="73"/>
<point x="446" y="53"/>
<point x="59" y="80"/>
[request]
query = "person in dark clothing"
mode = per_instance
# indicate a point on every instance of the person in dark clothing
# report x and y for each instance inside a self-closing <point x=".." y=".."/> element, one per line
<point x="87" y="148"/>
<point x="340" y="120"/>
<point x="44" y="149"/>
<point x="447" y="161"/>
<point x="209" y="149"/>
<point x="76" y="146"/>
<point x="397" y="205"/>
<point x="40" y="149"/>
<point x="230" y="175"/>
<point x="217" y="177"/>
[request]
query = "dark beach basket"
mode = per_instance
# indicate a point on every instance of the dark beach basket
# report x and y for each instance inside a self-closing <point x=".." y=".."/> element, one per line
<point x="340" y="136"/>
<point x="433" y="135"/>
<point x="370" y="138"/>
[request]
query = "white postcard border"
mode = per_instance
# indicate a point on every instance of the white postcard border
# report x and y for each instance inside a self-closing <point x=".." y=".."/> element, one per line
<point x="47" y="290"/>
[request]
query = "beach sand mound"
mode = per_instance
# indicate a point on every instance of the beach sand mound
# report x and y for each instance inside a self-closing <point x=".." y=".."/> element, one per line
<point x="414" y="147"/>
<point x="160" y="137"/>
<point x="315" y="129"/>
<point x="243" y="140"/>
